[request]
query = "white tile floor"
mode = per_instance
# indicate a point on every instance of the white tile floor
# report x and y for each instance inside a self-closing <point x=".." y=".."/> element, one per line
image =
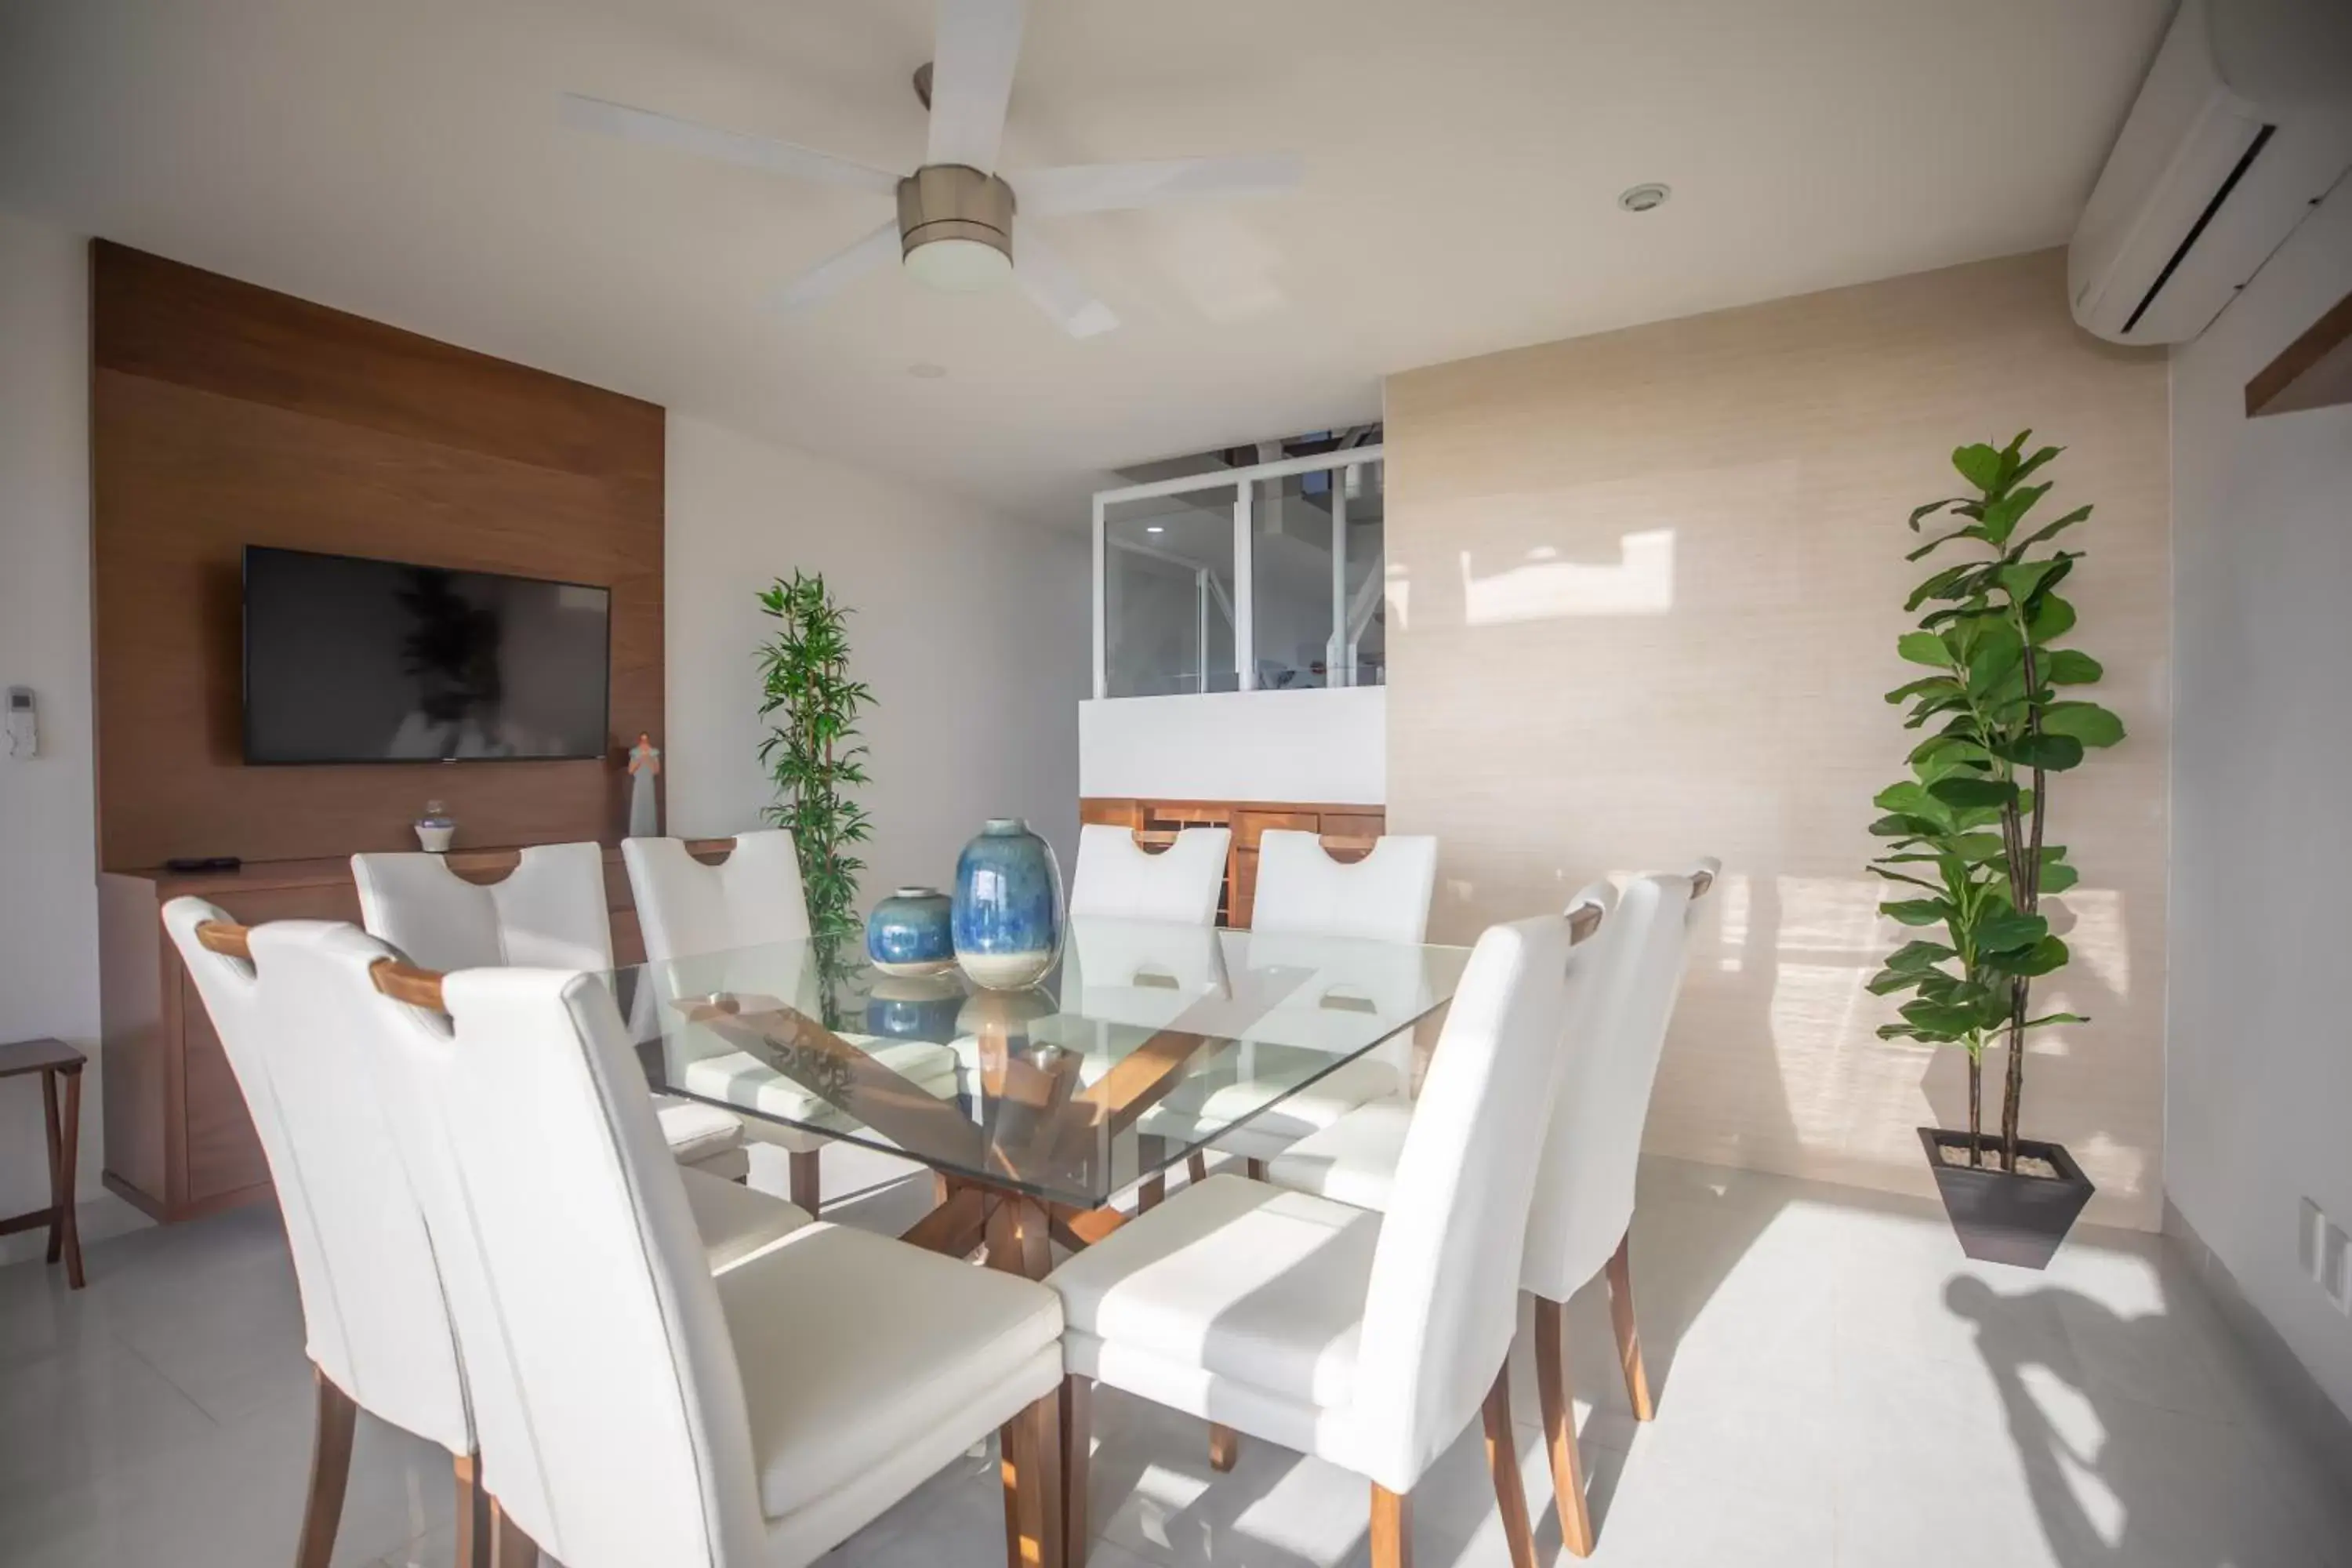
<point x="1836" y="1385"/>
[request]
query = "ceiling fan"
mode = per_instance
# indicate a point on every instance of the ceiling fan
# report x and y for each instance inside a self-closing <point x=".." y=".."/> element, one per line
<point x="954" y="229"/>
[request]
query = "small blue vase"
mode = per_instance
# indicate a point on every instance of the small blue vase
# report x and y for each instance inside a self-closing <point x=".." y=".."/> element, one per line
<point x="908" y="932"/>
<point x="1008" y="907"/>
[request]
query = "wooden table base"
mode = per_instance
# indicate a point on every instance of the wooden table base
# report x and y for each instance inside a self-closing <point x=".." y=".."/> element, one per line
<point x="1009" y="1230"/>
<point x="1016" y="1232"/>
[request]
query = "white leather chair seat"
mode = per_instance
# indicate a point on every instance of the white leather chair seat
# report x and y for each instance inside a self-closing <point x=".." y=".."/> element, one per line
<point x="1353" y="1161"/>
<point x="696" y="1132"/>
<point x="856" y="1348"/>
<point x="1269" y="1134"/>
<point x="1236" y="1279"/>
<point x="735" y="1223"/>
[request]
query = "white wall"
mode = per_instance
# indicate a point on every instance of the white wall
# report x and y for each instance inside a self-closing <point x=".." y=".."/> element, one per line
<point x="1324" y="746"/>
<point x="49" y="900"/>
<point x="2258" y="1081"/>
<point x="971" y="629"/>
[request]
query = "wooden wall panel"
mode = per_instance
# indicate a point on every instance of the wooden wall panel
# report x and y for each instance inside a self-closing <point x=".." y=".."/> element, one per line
<point x="1644" y="592"/>
<point x="224" y="415"/>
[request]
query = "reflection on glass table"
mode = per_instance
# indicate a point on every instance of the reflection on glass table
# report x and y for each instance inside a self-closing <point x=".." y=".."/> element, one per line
<point x="1035" y="1106"/>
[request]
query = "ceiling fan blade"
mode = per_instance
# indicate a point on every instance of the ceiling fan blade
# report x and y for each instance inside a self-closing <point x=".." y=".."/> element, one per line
<point x="828" y="277"/>
<point x="1106" y="187"/>
<point x="978" y="44"/>
<point x="1056" y="290"/>
<point x="585" y="113"/>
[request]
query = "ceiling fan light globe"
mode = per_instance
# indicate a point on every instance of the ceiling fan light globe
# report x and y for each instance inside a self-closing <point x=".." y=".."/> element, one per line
<point x="958" y="265"/>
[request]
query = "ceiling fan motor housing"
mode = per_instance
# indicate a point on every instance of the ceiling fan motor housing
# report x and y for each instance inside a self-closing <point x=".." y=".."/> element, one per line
<point x="950" y="201"/>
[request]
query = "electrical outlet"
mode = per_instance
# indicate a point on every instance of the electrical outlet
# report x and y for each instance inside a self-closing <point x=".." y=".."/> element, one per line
<point x="2326" y="1255"/>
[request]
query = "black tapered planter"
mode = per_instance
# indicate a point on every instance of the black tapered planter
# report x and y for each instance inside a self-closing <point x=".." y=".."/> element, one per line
<point x="2005" y="1218"/>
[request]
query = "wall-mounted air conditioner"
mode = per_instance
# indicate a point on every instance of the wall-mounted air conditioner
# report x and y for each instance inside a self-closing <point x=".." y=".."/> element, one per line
<point x="2244" y="125"/>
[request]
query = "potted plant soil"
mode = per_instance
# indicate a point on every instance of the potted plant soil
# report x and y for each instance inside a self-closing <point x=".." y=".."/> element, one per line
<point x="1964" y="833"/>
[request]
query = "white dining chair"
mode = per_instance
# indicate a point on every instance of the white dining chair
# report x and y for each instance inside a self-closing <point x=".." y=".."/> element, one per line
<point x="1581" y="1220"/>
<point x="1384" y="897"/>
<point x="551" y="911"/>
<point x="375" y="1320"/>
<point x="1118" y="879"/>
<point x="1366" y="1340"/>
<point x="652" y="1413"/>
<point x="741" y="925"/>
<point x="1303" y="892"/>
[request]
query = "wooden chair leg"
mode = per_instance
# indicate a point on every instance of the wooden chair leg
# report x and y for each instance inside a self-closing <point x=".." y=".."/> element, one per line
<point x="56" y="1147"/>
<point x="1559" y="1428"/>
<point x="1078" y="1454"/>
<point x="803" y="1179"/>
<point x="1503" y="1464"/>
<point x="1196" y="1166"/>
<point x="473" y="1514"/>
<point x="330" y="1471"/>
<point x="1256" y="1169"/>
<point x="1629" y="1338"/>
<point x="68" y="1152"/>
<point x="1030" y="1460"/>
<point x="1224" y="1448"/>
<point x="510" y="1547"/>
<point x="1391" y="1528"/>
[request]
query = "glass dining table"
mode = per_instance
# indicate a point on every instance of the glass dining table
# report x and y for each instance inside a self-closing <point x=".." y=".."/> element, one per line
<point x="1035" y="1109"/>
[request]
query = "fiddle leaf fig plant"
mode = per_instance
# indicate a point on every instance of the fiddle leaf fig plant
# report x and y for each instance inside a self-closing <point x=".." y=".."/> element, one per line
<point x="813" y="752"/>
<point x="1964" y="833"/>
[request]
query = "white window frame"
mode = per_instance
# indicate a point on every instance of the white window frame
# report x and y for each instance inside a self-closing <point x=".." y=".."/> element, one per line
<point x="1242" y="483"/>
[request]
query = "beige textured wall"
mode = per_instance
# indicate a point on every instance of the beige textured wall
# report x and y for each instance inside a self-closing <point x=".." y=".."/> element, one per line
<point x="1644" y="589"/>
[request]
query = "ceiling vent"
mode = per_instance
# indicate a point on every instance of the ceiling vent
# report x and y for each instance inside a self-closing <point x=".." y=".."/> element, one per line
<point x="2244" y="125"/>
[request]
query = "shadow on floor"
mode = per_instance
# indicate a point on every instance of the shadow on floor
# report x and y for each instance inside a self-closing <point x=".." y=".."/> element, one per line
<point x="2117" y="1481"/>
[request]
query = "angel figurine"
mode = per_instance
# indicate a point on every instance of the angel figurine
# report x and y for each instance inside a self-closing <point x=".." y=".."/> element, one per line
<point x="645" y="814"/>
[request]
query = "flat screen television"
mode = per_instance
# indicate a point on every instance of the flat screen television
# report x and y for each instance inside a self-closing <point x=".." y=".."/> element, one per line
<point x="352" y="661"/>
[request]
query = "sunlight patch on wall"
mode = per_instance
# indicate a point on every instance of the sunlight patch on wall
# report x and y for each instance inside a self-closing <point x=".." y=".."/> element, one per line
<point x="1832" y="914"/>
<point x="1543" y="587"/>
<point x="2096" y="934"/>
<point x="1813" y="1005"/>
<point x="1732" y="901"/>
<point x="1399" y="591"/>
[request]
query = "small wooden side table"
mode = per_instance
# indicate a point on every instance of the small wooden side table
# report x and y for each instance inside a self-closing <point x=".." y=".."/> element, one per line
<point x="53" y="1059"/>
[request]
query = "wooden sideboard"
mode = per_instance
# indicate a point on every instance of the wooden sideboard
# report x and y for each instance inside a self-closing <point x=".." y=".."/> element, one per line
<point x="178" y="1140"/>
<point x="1347" y="833"/>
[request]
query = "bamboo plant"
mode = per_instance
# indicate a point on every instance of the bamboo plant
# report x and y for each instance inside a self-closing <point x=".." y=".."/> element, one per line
<point x="813" y="751"/>
<point x="1966" y="840"/>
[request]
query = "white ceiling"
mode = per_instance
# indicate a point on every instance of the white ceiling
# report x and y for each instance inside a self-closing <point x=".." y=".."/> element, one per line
<point x="405" y="161"/>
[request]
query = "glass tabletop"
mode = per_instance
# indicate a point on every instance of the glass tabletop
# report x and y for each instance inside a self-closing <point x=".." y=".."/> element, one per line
<point x="1147" y="1042"/>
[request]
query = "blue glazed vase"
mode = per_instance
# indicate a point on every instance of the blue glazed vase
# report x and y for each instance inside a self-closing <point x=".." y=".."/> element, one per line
<point x="1008" y="907"/>
<point x="907" y="934"/>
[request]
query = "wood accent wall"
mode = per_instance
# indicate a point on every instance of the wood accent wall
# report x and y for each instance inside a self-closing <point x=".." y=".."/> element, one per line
<point x="1644" y="593"/>
<point x="224" y="414"/>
